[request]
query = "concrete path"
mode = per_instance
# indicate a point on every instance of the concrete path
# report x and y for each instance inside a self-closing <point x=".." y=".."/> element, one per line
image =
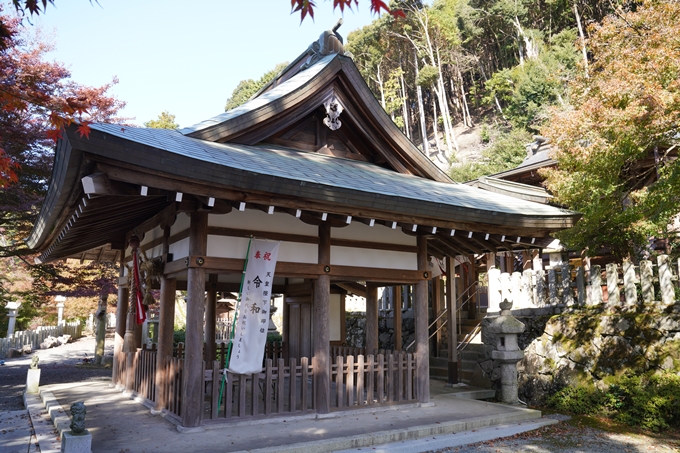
<point x="118" y="423"/>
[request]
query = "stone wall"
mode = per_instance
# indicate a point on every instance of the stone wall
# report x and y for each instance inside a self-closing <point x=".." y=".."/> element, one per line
<point x="356" y="330"/>
<point x="587" y="346"/>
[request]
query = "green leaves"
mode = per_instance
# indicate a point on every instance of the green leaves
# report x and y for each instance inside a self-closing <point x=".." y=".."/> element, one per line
<point x="616" y="142"/>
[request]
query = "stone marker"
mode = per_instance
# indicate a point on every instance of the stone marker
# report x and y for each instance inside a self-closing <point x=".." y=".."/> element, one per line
<point x="33" y="377"/>
<point x="78" y="440"/>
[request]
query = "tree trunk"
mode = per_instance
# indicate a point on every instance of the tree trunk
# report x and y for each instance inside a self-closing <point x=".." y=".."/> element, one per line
<point x="101" y="328"/>
<point x="404" y="106"/>
<point x="423" y="125"/>
<point x="435" y="128"/>
<point x="583" y="39"/>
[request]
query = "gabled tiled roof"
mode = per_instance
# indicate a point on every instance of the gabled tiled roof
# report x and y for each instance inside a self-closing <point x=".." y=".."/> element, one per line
<point x="299" y="168"/>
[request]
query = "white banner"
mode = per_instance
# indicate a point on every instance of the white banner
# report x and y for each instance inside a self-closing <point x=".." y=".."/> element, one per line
<point x="250" y="333"/>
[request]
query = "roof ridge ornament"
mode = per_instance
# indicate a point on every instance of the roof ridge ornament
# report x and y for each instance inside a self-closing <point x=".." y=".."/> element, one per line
<point x="329" y="42"/>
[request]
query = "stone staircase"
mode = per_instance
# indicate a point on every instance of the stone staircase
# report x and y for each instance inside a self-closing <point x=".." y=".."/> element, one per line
<point x="469" y="372"/>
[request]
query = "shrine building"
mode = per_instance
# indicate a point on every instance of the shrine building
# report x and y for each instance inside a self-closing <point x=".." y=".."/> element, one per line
<point x="312" y="161"/>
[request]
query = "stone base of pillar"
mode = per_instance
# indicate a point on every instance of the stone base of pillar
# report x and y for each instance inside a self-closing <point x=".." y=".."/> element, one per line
<point x="76" y="443"/>
<point x="33" y="381"/>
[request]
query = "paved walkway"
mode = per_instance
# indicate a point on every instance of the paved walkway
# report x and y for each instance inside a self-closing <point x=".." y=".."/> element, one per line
<point x="118" y="423"/>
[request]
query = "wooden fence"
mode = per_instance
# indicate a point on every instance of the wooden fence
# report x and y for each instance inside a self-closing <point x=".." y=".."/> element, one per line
<point x="372" y="380"/>
<point x="281" y="388"/>
<point x="34" y="337"/>
<point x="625" y="286"/>
<point x="284" y="388"/>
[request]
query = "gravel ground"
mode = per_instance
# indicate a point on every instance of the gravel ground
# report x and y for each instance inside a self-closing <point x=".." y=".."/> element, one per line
<point x="578" y="435"/>
<point x="58" y="365"/>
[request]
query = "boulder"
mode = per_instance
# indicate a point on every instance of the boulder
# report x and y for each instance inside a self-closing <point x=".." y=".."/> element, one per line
<point x="26" y="349"/>
<point x="13" y="353"/>
<point x="49" y="342"/>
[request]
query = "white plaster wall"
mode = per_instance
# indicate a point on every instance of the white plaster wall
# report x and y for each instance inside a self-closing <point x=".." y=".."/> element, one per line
<point x="180" y="249"/>
<point x="377" y="233"/>
<point x="251" y="219"/>
<point x="232" y="247"/>
<point x="387" y="259"/>
<point x="181" y="223"/>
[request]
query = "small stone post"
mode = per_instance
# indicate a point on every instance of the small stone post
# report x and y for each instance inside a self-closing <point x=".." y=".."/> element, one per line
<point x="581" y="286"/>
<point x="60" y="309"/>
<point x="12" y="308"/>
<point x="495" y="289"/>
<point x="33" y="377"/>
<point x="552" y="287"/>
<point x="506" y="328"/>
<point x="613" y="285"/>
<point x="540" y="288"/>
<point x="567" y="294"/>
<point x="595" y="294"/>
<point x="647" y="281"/>
<point x="629" y="289"/>
<point x="665" y="282"/>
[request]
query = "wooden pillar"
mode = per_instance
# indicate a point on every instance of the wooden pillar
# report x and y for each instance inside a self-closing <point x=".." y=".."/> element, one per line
<point x="452" y="320"/>
<point x="130" y="345"/>
<point x="322" y="296"/>
<point x="436" y="311"/>
<point x="285" y="328"/>
<point x="121" y="320"/>
<point x="398" y="305"/>
<point x="371" y="319"/>
<point x="192" y="383"/>
<point x="420" y="311"/>
<point x="166" y="328"/>
<point x="210" y="319"/>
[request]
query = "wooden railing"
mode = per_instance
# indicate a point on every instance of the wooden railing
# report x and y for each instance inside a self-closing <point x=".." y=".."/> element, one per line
<point x="372" y="380"/>
<point x="144" y="363"/>
<point x="282" y="389"/>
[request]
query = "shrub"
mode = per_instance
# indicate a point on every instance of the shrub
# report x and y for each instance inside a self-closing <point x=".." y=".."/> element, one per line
<point x="179" y="336"/>
<point x="578" y="400"/>
<point x="651" y="402"/>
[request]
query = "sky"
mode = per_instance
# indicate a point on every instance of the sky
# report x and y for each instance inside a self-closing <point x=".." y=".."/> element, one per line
<point x="185" y="57"/>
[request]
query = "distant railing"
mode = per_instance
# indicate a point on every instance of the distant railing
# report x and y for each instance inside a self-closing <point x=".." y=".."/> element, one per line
<point x="35" y="337"/>
<point x="622" y="285"/>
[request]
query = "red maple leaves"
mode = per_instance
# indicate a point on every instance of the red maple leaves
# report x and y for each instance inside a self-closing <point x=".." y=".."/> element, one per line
<point x="306" y="7"/>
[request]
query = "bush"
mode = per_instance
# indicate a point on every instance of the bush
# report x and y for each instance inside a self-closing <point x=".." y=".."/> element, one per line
<point x="179" y="336"/>
<point x="578" y="400"/>
<point x="273" y="337"/>
<point x="651" y="402"/>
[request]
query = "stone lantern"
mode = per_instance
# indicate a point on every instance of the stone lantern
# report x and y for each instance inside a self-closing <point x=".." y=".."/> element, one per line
<point x="12" y="310"/>
<point x="507" y="353"/>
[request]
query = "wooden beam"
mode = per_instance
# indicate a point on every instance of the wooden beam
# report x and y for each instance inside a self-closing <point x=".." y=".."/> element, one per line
<point x="99" y="184"/>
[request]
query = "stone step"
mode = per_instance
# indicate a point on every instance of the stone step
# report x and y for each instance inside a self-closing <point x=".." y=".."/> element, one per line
<point x="439" y="362"/>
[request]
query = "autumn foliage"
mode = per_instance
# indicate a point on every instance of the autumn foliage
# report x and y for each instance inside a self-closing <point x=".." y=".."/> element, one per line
<point x="306" y="7"/>
<point x="36" y="93"/>
<point x="617" y="138"/>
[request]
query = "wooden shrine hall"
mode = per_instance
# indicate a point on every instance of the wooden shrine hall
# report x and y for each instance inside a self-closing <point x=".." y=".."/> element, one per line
<point x="312" y="161"/>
